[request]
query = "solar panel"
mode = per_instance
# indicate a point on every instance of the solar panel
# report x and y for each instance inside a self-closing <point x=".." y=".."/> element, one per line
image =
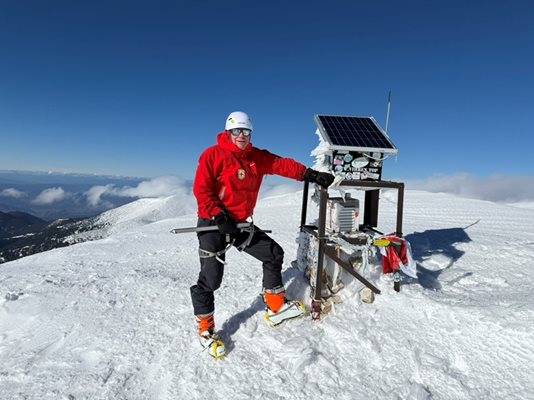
<point x="354" y="133"/>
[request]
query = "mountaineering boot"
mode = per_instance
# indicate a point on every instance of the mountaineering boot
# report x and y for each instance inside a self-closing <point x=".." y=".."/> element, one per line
<point x="279" y="309"/>
<point x="208" y="339"/>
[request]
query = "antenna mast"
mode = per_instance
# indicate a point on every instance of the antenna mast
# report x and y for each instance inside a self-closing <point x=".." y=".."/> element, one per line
<point x="387" y="116"/>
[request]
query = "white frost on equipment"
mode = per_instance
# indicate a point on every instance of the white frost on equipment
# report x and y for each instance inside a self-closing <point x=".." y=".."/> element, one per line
<point x="321" y="154"/>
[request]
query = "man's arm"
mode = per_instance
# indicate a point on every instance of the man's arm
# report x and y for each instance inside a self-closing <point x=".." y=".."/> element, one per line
<point x="286" y="167"/>
<point x="290" y="168"/>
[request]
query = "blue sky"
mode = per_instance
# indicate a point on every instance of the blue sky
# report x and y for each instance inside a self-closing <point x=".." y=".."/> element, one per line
<point x="141" y="88"/>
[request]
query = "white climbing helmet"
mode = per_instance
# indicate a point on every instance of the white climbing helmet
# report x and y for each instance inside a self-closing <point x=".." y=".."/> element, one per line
<point x="238" y="119"/>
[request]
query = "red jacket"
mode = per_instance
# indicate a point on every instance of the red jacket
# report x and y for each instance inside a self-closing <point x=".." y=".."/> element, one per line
<point x="228" y="177"/>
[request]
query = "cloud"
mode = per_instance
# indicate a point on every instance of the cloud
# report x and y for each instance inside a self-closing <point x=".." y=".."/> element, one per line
<point x="158" y="187"/>
<point x="498" y="188"/>
<point x="95" y="194"/>
<point x="163" y="186"/>
<point x="16" y="194"/>
<point x="49" y="196"/>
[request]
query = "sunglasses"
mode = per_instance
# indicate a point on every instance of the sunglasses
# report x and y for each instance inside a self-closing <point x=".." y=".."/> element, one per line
<point x="239" y="131"/>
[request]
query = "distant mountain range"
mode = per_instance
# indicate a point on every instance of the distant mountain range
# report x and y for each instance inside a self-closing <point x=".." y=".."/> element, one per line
<point x="28" y="227"/>
<point x="12" y="223"/>
<point x="22" y="234"/>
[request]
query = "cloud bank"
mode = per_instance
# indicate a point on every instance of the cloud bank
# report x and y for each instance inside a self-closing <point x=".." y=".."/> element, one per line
<point x="10" y="192"/>
<point x="515" y="190"/>
<point x="49" y="196"/>
<point x="497" y="188"/>
<point x="158" y="187"/>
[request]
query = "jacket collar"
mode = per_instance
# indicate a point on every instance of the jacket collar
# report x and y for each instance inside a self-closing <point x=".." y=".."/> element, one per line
<point x="223" y="140"/>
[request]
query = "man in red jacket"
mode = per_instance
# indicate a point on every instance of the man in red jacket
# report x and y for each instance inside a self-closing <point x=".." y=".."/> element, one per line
<point x="226" y="187"/>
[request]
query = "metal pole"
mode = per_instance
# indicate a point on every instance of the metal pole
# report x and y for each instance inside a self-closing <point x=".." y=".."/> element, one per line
<point x="400" y="207"/>
<point x="304" y="204"/>
<point x="370" y="212"/>
<point x="330" y="252"/>
<point x="387" y="115"/>
<point x="316" y="302"/>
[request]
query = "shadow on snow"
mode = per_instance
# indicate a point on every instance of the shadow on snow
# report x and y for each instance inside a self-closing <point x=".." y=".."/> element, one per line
<point x="296" y="285"/>
<point x="433" y="242"/>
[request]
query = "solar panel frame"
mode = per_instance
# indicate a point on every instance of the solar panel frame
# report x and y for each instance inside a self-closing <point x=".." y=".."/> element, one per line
<point x="354" y="133"/>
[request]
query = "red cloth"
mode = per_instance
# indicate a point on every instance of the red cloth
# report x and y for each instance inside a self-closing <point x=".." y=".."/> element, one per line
<point x="396" y="251"/>
<point x="228" y="177"/>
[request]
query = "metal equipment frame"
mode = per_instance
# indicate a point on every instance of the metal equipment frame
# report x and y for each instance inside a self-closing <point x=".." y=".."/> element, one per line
<point x="370" y="221"/>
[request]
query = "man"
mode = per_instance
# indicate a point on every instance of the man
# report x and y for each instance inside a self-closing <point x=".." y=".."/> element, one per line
<point x="226" y="187"/>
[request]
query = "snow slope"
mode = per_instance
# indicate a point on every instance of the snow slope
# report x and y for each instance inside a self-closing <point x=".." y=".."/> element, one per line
<point x="112" y="319"/>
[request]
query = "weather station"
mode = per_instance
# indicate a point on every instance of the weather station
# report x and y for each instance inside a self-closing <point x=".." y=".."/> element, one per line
<point x="354" y="149"/>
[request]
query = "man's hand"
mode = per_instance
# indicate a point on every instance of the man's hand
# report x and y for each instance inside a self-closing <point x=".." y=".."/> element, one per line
<point x="322" y="178"/>
<point x="225" y="224"/>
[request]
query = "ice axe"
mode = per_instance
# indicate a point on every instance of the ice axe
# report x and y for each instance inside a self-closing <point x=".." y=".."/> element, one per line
<point x="243" y="226"/>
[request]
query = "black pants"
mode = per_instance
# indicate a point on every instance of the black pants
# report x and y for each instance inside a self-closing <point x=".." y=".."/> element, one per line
<point x="262" y="247"/>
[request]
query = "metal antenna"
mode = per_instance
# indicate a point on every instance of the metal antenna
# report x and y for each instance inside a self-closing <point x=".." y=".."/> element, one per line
<point x="387" y="116"/>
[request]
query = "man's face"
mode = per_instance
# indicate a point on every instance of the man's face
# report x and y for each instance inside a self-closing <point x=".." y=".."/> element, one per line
<point x="240" y="140"/>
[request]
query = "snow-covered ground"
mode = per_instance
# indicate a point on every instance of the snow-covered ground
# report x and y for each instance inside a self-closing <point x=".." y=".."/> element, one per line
<point x="112" y="319"/>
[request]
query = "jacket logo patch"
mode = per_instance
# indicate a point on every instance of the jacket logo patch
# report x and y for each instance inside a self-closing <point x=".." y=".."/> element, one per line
<point x="241" y="174"/>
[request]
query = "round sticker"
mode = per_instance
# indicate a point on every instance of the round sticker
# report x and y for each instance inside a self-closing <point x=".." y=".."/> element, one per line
<point x="360" y="162"/>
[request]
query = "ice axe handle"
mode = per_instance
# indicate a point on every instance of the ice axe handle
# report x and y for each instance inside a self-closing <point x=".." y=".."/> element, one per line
<point x="241" y="225"/>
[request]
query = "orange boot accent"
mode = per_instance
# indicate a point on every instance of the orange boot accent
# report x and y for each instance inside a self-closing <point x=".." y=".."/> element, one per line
<point x="205" y="323"/>
<point x="274" y="301"/>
